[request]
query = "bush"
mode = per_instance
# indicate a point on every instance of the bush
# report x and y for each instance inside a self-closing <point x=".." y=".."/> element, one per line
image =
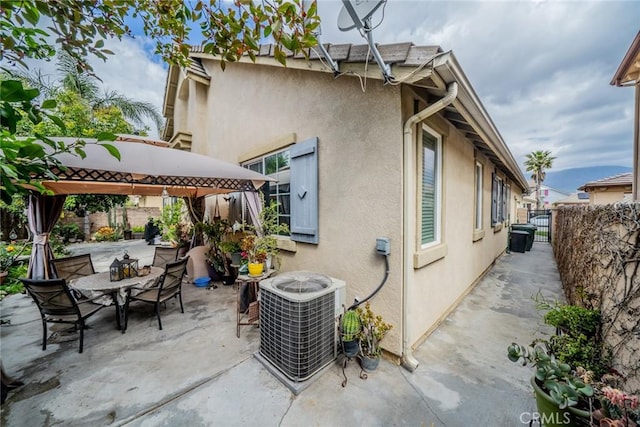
<point x="106" y="234"/>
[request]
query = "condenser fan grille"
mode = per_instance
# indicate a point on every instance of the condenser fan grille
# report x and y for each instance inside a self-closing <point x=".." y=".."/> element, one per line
<point x="301" y="282"/>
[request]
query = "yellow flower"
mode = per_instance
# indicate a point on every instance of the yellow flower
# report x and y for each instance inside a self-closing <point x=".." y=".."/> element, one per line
<point x="10" y="248"/>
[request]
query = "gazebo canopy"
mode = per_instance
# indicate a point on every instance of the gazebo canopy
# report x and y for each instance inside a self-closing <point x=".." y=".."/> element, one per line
<point x="147" y="170"/>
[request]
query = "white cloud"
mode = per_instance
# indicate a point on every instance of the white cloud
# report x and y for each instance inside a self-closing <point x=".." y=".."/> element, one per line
<point x="542" y="69"/>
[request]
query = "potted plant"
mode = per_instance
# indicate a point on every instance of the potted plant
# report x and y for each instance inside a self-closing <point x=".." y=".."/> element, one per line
<point x="254" y="253"/>
<point x="220" y="265"/>
<point x="350" y="327"/>
<point x="372" y="333"/>
<point x="562" y="396"/>
<point x="271" y="228"/>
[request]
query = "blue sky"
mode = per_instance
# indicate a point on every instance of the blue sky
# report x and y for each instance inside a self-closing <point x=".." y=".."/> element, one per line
<point x="541" y="68"/>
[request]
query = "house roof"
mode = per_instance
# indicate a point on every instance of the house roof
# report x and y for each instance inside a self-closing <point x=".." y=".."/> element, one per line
<point x="629" y="69"/>
<point x="427" y="69"/>
<point x="621" y="180"/>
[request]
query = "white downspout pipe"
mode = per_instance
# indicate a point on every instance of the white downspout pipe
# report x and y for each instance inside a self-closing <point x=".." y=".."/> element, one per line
<point x="408" y="361"/>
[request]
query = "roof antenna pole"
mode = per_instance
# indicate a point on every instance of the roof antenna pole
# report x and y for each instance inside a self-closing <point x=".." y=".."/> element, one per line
<point x="384" y="68"/>
<point x="333" y="64"/>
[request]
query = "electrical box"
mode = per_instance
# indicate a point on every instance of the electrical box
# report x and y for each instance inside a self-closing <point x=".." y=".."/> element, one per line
<point x="383" y="245"/>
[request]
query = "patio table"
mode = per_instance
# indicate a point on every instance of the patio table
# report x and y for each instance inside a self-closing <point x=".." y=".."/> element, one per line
<point x="95" y="285"/>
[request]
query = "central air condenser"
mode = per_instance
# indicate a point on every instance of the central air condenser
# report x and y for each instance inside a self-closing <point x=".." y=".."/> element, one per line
<point x="298" y="312"/>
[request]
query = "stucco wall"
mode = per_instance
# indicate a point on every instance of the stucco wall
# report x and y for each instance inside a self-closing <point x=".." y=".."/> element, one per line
<point x="360" y="182"/>
<point x="608" y="196"/>
<point x="360" y="164"/>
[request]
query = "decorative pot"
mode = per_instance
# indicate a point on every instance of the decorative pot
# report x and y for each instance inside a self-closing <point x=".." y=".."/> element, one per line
<point x="236" y="258"/>
<point x="369" y="363"/>
<point x="128" y="234"/>
<point x="552" y="416"/>
<point x="213" y="274"/>
<point x="255" y="269"/>
<point x="351" y="348"/>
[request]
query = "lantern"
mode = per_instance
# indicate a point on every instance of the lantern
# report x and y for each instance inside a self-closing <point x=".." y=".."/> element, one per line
<point x="115" y="271"/>
<point x="129" y="268"/>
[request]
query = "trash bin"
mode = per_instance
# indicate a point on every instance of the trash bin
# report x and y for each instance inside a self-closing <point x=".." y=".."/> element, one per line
<point x="518" y="240"/>
<point x="531" y="229"/>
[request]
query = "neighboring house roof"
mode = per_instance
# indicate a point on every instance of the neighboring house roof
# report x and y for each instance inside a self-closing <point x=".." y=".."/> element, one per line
<point x="629" y="69"/>
<point x="574" y="199"/>
<point x="621" y="180"/>
<point x="428" y="69"/>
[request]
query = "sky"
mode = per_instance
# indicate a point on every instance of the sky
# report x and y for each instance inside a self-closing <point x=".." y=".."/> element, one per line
<point x="541" y="68"/>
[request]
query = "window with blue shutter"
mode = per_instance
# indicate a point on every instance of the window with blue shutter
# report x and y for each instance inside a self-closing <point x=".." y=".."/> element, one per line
<point x="431" y="178"/>
<point x="304" y="191"/>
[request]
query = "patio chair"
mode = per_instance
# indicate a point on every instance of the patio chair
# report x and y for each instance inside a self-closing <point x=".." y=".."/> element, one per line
<point x="168" y="286"/>
<point x="73" y="267"/>
<point x="162" y="256"/>
<point x="57" y="305"/>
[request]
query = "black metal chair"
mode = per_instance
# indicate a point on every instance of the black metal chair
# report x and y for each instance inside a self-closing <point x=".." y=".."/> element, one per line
<point x="168" y="286"/>
<point x="73" y="267"/>
<point x="162" y="256"/>
<point x="57" y="305"/>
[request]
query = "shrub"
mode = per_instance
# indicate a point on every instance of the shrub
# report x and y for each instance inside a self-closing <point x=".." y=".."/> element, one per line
<point x="106" y="234"/>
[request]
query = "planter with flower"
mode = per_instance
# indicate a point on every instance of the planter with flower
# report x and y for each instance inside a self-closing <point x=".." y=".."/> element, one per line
<point x="372" y="333"/>
<point x="217" y="262"/>
<point x="255" y="254"/>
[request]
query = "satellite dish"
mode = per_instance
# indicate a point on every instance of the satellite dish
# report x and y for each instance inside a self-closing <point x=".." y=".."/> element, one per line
<point x="355" y="12"/>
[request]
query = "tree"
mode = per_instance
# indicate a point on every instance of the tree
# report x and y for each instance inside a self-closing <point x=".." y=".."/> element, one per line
<point x="230" y="30"/>
<point x="85" y="86"/>
<point x="537" y="162"/>
<point x="80" y="28"/>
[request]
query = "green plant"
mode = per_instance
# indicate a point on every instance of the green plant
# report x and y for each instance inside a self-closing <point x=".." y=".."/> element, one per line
<point x="577" y="341"/>
<point x="137" y="229"/>
<point x="373" y="330"/>
<point x="106" y="234"/>
<point x="351" y="325"/>
<point x="9" y="254"/>
<point x="559" y="379"/>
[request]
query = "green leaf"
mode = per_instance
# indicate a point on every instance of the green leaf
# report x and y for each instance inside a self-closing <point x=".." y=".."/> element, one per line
<point x="112" y="150"/>
<point x="49" y="104"/>
<point x="106" y="136"/>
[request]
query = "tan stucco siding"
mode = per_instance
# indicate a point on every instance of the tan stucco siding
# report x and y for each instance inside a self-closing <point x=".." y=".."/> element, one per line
<point x="360" y="165"/>
<point x="438" y="286"/>
<point x="608" y="195"/>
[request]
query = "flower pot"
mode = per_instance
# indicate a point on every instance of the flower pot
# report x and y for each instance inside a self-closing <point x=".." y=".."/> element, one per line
<point x="3" y="276"/>
<point x="351" y="348"/>
<point x="213" y="274"/>
<point x="236" y="258"/>
<point x="128" y="235"/>
<point x="255" y="269"/>
<point x="552" y="416"/>
<point x="369" y="363"/>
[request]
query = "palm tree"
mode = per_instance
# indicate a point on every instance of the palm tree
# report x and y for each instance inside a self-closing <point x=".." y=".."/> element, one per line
<point x="86" y="85"/>
<point x="537" y="162"/>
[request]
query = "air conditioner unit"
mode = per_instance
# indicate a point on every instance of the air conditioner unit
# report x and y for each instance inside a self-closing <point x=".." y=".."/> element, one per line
<point x="298" y="312"/>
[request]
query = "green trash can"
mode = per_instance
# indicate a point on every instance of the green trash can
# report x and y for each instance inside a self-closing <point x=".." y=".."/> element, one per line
<point x="529" y="228"/>
<point x="518" y="240"/>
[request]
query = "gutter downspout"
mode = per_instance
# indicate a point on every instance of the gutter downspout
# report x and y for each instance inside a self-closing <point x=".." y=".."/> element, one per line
<point x="408" y="361"/>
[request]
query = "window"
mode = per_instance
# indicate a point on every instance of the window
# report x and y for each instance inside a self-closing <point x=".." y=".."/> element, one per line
<point x="478" y="216"/>
<point x="276" y="165"/>
<point x="496" y="200"/>
<point x="430" y="204"/>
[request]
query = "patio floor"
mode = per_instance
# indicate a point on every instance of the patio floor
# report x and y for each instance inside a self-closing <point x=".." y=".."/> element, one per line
<point x="196" y="372"/>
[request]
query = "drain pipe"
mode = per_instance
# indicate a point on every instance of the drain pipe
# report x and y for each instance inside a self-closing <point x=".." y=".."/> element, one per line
<point x="408" y="361"/>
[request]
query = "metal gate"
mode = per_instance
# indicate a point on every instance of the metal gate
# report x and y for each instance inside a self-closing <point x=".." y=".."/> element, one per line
<point x="542" y="219"/>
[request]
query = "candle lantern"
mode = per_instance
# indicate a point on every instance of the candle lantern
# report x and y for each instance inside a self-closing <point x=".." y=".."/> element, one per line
<point x="129" y="268"/>
<point x="115" y="271"/>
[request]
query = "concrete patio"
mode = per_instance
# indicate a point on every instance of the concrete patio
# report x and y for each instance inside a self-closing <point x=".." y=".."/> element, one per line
<point x="196" y="372"/>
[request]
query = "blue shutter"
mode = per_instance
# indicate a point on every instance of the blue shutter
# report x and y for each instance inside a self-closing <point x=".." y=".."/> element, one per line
<point x="304" y="191"/>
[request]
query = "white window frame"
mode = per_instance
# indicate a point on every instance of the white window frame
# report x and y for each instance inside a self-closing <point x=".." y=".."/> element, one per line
<point x="479" y="172"/>
<point x="277" y="195"/>
<point x="438" y="188"/>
